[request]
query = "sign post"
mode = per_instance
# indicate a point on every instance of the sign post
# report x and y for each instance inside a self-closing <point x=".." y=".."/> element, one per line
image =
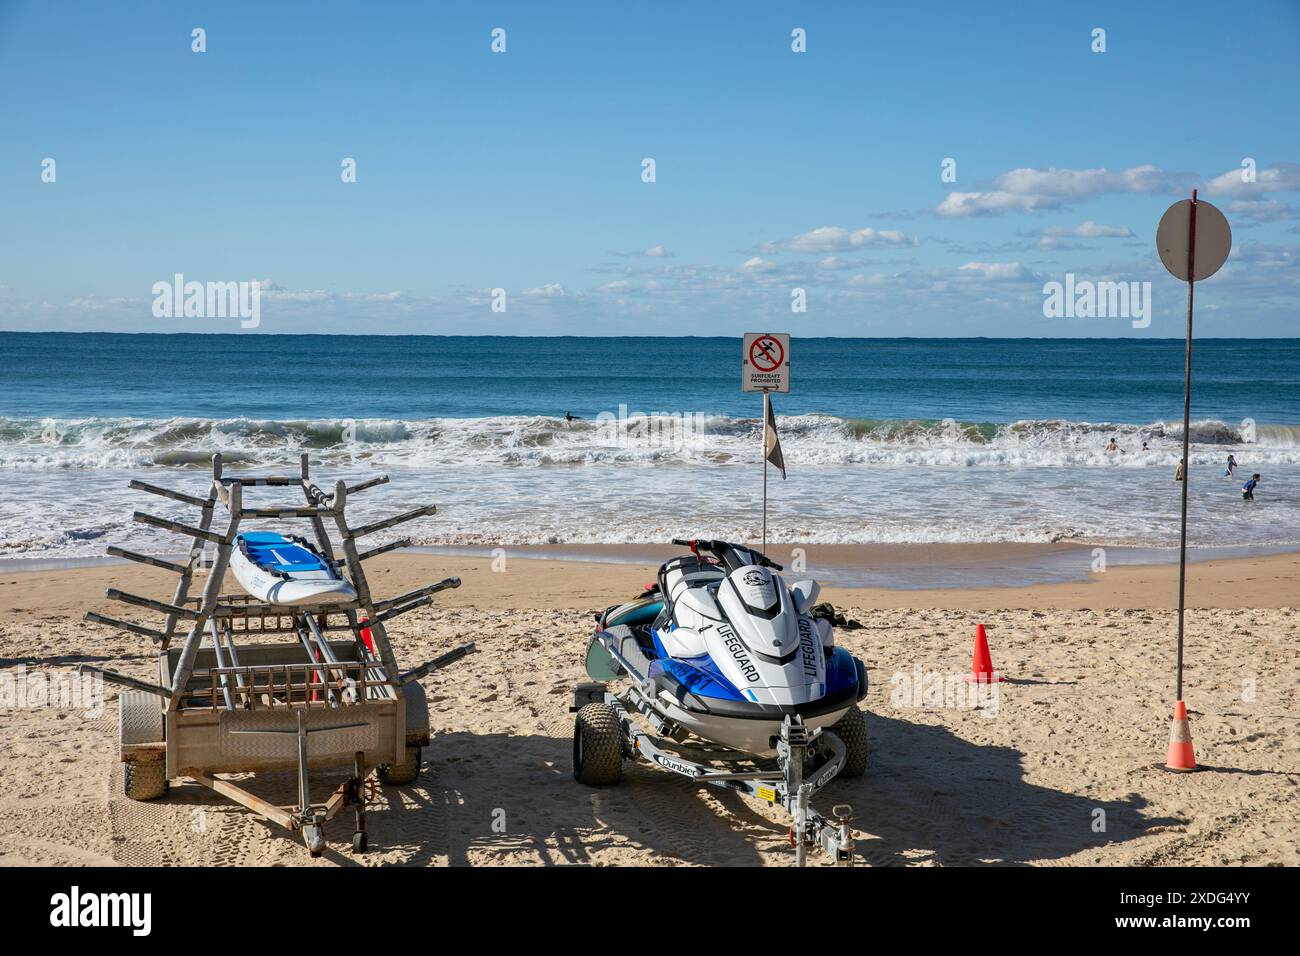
<point x="1193" y="240"/>
<point x="765" y="367"/>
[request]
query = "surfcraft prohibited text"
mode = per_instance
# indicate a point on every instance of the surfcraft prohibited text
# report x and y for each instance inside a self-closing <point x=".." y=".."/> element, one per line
<point x="1085" y="299"/>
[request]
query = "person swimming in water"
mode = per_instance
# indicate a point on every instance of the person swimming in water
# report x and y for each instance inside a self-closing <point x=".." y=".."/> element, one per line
<point x="1231" y="470"/>
<point x="570" y="417"/>
<point x="1248" y="489"/>
<point x="1145" y="449"/>
<point x="1111" y="446"/>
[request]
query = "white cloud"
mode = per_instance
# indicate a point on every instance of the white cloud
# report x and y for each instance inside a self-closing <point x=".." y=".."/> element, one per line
<point x="1053" y="238"/>
<point x="1026" y="190"/>
<point x="960" y="205"/>
<point x="1282" y="178"/>
<point x="653" y="252"/>
<point x="94" y="303"/>
<point x="1263" y="210"/>
<point x="1086" y="183"/>
<point x="839" y="239"/>
<point x="302" y="295"/>
<point x="864" y="281"/>
<point x="1087" y="230"/>
<point x="1269" y="257"/>
<point x="996" y="271"/>
<point x="551" y="290"/>
<point x="758" y="264"/>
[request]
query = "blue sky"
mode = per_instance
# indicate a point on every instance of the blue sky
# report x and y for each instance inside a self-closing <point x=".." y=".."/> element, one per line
<point x="775" y="170"/>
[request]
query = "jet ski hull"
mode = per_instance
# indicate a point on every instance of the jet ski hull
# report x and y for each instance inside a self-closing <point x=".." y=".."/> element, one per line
<point x="755" y="733"/>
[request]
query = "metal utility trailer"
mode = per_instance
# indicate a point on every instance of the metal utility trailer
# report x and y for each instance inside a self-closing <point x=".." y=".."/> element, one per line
<point x="780" y="781"/>
<point x="252" y="687"/>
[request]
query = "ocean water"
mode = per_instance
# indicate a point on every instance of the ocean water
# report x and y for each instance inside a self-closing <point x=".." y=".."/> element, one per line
<point x="886" y="440"/>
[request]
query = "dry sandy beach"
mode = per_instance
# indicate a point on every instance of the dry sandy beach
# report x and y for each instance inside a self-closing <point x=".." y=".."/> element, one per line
<point x="1057" y="769"/>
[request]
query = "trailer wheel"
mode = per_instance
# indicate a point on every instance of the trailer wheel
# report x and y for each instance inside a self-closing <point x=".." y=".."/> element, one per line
<point x="400" y="774"/>
<point x="597" y="746"/>
<point x="852" y="731"/>
<point x="144" y="779"/>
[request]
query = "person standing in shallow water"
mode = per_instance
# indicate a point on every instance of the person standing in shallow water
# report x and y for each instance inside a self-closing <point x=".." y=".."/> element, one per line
<point x="1248" y="489"/>
<point x="1231" y="470"/>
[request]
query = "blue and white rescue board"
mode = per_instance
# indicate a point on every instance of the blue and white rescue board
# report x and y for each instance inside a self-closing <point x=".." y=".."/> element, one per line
<point x="280" y="570"/>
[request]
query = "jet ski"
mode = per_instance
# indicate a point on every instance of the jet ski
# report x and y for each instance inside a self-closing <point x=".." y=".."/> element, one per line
<point x="732" y="650"/>
<point x="742" y="687"/>
<point x="287" y="571"/>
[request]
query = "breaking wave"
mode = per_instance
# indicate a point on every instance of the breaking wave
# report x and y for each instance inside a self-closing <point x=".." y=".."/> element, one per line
<point x="811" y="439"/>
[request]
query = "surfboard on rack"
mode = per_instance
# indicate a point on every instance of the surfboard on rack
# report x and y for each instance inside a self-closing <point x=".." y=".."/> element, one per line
<point x="287" y="571"/>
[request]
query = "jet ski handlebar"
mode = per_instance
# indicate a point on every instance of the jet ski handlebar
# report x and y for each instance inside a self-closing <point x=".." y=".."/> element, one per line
<point x="731" y="555"/>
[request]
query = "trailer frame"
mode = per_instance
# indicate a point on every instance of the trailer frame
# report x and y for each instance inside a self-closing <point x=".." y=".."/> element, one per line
<point x="303" y="701"/>
<point x="779" y="782"/>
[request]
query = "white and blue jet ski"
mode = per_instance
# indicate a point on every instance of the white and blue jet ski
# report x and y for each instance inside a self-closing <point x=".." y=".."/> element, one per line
<point x="287" y="571"/>
<point x="742" y="686"/>
<point x="732" y="650"/>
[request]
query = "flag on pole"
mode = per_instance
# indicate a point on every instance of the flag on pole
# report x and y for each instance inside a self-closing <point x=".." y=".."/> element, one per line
<point x="771" y="440"/>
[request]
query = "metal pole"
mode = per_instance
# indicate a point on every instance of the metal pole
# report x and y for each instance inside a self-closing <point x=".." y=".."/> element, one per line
<point x="1187" y="420"/>
<point x="304" y="798"/>
<point x="766" y="400"/>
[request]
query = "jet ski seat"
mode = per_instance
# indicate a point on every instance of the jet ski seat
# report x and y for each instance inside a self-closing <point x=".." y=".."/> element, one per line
<point x="685" y="572"/>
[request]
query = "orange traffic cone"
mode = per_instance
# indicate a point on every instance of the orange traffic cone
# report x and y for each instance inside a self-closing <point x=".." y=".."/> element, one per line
<point x="982" y="666"/>
<point x="1181" y="756"/>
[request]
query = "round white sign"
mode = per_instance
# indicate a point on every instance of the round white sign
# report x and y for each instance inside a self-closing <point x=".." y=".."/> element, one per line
<point x="1213" y="239"/>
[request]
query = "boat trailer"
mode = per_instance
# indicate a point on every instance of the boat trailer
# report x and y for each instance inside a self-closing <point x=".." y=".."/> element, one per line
<point x="247" y="687"/>
<point x="779" y="782"/>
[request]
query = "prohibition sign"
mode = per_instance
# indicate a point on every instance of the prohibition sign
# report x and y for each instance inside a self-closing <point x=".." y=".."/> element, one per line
<point x="766" y="354"/>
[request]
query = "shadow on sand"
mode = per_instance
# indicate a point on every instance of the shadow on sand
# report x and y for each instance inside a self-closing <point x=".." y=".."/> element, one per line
<point x="928" y="797"/>
<point x="931" y="796"/>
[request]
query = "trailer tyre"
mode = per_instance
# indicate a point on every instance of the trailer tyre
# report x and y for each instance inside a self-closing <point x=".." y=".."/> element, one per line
<point x="144" y="779"/>
<point x="597" y="746"/>
<point x="852" y="731"/>
<point x="400" y="774"/>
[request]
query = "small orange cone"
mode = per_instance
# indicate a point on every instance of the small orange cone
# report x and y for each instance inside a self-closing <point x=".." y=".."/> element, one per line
<point x="1181" y="756"/>
<point x="982" y="666"/>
